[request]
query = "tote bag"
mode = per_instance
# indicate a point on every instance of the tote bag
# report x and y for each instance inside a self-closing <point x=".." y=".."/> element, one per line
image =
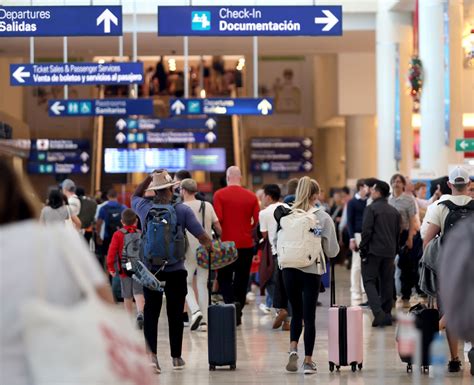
<point x="88" y="343"/>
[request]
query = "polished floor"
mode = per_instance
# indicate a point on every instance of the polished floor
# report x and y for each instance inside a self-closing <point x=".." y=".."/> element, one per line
<point x="261" y="354"/>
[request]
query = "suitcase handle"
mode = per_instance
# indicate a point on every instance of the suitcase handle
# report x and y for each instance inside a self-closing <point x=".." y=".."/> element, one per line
<point x="333" y="283"/>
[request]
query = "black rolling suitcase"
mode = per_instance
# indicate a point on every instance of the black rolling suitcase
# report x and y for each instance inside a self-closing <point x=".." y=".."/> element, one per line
<point x="221" y="336"/>
<point x="427" y="322"/>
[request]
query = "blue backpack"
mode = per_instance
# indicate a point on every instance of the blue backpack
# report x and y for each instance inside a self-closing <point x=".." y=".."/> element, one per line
<point x="164" y="241"/>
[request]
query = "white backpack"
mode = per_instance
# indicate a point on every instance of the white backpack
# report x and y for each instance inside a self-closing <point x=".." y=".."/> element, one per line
<point x="299" y="240"/>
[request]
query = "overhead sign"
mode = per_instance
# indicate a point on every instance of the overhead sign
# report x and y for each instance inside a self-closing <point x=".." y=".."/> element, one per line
<point x="250" y="21"/>
<point x="96" y="107"/>
<point x="281" y="154"/>
<point x="59" y="156"/>
<point x="464" y="145"/>
<point x="81" y="74"/>
<point x="221" y="106"/>
<point x="166" y="137"/>
<point x="122" y="160"/>
<point x="161" y="124"/>
<point x="61" y="21"/>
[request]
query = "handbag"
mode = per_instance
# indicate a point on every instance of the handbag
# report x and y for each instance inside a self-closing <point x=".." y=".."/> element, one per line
<point x="223" y="254"/>
<point x="90" y="342"/>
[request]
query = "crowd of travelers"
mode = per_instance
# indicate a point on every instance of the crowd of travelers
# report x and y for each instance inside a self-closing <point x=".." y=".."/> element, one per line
<point x="379" y="232"/>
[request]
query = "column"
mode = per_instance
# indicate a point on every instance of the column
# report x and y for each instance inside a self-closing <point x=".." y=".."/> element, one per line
<point x="391" y="36"/>
<point x="361" y="144"/>
<point x="435" y="153"/>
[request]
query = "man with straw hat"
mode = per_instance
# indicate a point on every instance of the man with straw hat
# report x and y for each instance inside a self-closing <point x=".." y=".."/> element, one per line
<point x="173" y="271"/>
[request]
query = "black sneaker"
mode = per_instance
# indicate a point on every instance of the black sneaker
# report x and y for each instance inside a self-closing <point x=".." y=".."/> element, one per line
<point x="185" y="319"/>
<point x="309" y="368"/>
<point x="454" y="366"/>
<point x="379" y="320"/>
<point x="178" y="363"/>
<point x="364" y="304"/>
<point x="470" y="357"/>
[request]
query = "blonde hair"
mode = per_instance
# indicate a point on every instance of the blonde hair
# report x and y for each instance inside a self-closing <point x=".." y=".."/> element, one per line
<point x="306" y="188"/>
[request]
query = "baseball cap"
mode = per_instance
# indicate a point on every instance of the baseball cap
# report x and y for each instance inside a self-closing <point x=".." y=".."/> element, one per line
<point x="189" y="185"/>
<point x="68" y="185"/>
<point x="459" y="175"/>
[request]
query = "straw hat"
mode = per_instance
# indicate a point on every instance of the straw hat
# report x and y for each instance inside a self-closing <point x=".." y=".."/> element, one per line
<point x="161" y="180"/>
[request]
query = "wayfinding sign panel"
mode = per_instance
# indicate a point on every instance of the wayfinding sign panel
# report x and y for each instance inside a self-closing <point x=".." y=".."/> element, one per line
<point x="221" y="106"/>
<point x="168" y="136"/>
<point x="250" y="21"/>
<point x="81" y="74"/>
<point x="61" y="21"/>
<point x="281" y="154"/>
<point x="96" y="107"/>
<point x="166" y="123"/>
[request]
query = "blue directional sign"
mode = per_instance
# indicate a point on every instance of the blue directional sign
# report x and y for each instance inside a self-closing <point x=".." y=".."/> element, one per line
<point x="96" y="107"/>
<point x="166" y="137"/>
<point x="281" y="154"/>
<point x="57" y="168"/>
<point x="61" y="21"/>
<point x="59" y="144"/>
<point x="75" y="74"/>
<point x="250" y="21"/>
<point x="221" y="106"/>
<point x="161" y="124"/>
<point x="60" y="156"/>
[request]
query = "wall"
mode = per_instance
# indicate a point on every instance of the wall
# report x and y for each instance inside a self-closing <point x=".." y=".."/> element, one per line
<point x="356" y="83"/>
<point x="11" y="98"/>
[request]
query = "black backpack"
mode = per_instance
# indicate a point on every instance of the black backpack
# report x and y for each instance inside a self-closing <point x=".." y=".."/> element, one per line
<point x="87" y="213"/>
<point x="113" y="219"/>
<point x="456" y="213"/>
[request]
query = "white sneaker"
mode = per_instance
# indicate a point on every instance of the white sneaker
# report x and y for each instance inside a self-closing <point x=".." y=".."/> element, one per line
<point x="265" y="309"/>
<point x="251" y="296"/>
<point x="196" y="320"/>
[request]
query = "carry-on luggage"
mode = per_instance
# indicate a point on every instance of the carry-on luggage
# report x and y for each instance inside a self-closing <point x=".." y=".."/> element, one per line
<point x="221" y="336"/>
<point x="345" y="333"/>
<point x="427" y="322"/>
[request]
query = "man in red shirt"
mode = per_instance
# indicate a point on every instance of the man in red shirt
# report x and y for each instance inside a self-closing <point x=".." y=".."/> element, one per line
<point x="130" y="288"/>
<point x="237" y="209"/>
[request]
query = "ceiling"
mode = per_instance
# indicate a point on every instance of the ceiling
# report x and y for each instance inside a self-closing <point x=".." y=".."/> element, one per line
<point x="150" y="44"/>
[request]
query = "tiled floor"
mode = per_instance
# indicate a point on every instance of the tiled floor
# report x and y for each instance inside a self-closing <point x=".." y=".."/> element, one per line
<point x="261" y="354"/>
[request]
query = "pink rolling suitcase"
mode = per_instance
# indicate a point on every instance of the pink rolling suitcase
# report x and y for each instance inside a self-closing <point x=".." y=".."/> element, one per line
<point x="345" y="334"/>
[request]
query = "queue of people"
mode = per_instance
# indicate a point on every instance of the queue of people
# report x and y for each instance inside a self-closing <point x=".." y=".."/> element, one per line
<point x="382" y="223"/>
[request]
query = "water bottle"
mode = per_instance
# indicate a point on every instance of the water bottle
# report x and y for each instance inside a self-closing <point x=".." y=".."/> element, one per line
<point x="438" y="359"/>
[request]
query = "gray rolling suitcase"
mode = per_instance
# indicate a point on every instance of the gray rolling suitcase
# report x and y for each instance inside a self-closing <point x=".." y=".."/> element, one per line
<point x="221" y="338"/>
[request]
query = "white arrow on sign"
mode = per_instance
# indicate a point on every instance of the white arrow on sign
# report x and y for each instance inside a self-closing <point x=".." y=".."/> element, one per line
<point x="307" y="154"/>
<point x="210" y="123"/>
<point x="57" y="108"/>
<point x="211" y="137"/>
<point x="121" y="124"/>
<point x="178" y="107"/>
<point x="307" y="142"/>
<point x="463" y="145"/>
<point x="107" y="17"/>
<point x="84" y="168"/>
<point x="120" y="138"/>
<point x="330" y="20"/>
<point x="264" y="107"/>
<point x="307" y="166"/>
<point x="19" y="75"/>
<point x="84" y="156"/>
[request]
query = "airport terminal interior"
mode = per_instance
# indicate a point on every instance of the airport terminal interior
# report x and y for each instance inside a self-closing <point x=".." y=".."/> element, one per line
<point x="117" y="107"/>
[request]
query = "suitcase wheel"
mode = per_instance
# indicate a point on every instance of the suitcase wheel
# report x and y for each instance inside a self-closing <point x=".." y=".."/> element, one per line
<point x="338" y="367"/>
<point x="360" y="366"/>
<point x="409" y="368"/>
<point x="212" y="368"/>
<point x="331" y="367"/>
<point x="354" y="367"/>
<point x="426" y="369"/>
<point x="233" y="367"/>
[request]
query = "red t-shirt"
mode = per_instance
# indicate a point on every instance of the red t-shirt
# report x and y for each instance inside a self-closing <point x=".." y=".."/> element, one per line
<point x="114" y="255"/>
<point x="237" y="209"/>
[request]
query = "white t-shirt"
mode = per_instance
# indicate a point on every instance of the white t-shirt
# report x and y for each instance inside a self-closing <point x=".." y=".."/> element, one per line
<point x="74" y="204"/>
<point x="436" y="214"/>
<point x="269" y="224"/>
<point x="20" y="265"/>
<point x="209" y="218"/>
